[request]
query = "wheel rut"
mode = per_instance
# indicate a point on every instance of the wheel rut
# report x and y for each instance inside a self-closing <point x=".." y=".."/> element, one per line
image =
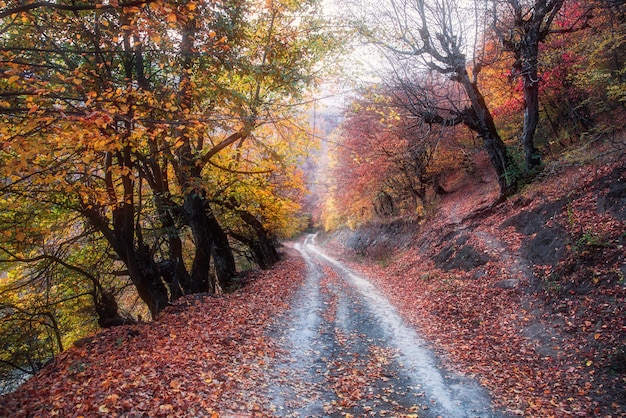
<point x="347" y="352"/>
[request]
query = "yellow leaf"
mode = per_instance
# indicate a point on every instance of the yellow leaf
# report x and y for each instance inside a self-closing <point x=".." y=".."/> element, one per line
<point x="171" y="18"/>
<point x="103" y="409"/>
<point x="13" y="79"/>
<point x="155" y="37"/>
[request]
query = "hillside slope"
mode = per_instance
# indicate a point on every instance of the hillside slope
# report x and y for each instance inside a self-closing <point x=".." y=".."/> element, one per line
<point x="205" y="356"/>
<point x="530" y="296"/>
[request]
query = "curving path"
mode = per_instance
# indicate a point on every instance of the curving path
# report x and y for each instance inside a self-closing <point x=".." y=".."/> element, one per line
<point x="348" y="353"/>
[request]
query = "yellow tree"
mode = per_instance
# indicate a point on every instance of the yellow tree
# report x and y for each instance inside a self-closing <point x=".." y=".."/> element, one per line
<point x="118" y="114"/>
<point x="258" y="187"/>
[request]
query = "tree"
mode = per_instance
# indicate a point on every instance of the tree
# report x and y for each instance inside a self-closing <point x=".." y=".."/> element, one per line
<point x="383" y="159"/>
<point x="596" y="76"/>
<point x="522" y="26"/>
<point x="257" y="189"/>
<point x="432" y="34"/>
<point x="115" y="112"/>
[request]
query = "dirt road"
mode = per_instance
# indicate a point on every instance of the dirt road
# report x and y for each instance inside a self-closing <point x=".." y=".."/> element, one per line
<point x="348" y="353"/>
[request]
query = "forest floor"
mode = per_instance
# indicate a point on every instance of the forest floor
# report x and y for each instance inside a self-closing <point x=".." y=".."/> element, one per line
<point x="522" y="305"/>
<point x="312" y="339"/>
<point x="204" y="356"/>
<point x="529" y="297"/>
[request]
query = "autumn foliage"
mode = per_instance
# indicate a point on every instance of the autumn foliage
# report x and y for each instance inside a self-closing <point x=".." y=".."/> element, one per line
<point x="387" y="163"/>
<point x="150" y="150"/>
<point x="579" y="64"/>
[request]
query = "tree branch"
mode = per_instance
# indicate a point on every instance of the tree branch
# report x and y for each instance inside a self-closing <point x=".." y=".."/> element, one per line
<point x="74" y="7"/>
<point x="222" y="145"/>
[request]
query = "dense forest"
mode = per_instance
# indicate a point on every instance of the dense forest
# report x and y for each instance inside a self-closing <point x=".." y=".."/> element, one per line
<point x="524" y="81"/>
<point x="152" y="150"/>
<point x="149" y="150"/>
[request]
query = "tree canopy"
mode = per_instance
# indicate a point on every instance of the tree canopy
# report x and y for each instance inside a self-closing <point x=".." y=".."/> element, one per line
<point x="148" y="144"/>
<point x="528" y="78"/>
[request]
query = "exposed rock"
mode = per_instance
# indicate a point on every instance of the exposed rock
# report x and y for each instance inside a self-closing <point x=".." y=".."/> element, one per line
<point x="548" y="247"/>
<point x="464" y="257"/>
<point x="533" y="221"/>
<point x="479" y="274"/>
<point x="614" y="201"/>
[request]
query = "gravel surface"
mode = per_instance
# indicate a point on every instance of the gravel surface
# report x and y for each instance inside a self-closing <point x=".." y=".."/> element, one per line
<point x="347" y="352"/>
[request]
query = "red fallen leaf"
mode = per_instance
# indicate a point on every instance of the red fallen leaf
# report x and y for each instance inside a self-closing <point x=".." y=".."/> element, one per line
<point x="455" y="310"/>
<point x="151" y="378"/>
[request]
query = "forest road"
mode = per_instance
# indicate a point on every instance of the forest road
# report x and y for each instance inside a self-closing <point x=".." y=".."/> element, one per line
<point x="348" y="353"/>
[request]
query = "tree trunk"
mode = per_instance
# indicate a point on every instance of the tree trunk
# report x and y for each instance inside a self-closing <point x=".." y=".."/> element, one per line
<point x="176" y="280"/>
<point x="223" y="259"/>
<point x="262" y="247"/>
<point x="532" y="158"/>
<point x="485" y="127"/>
<point x="173" y="270"/>
<point x="142" y="270"/>
<point x="201" y="280"/>
<point x="144" y="273"/>
<point x="210" y="240"/>
<point x="107" y="311"/>
<point x="532" y="22"/>
<point x="126" y="238"/>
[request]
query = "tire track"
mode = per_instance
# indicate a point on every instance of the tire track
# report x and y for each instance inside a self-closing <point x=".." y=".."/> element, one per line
<point x="348" y="353"/>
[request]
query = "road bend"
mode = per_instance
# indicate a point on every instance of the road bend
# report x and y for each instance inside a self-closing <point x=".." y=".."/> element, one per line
<point x="348" y="353"/>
